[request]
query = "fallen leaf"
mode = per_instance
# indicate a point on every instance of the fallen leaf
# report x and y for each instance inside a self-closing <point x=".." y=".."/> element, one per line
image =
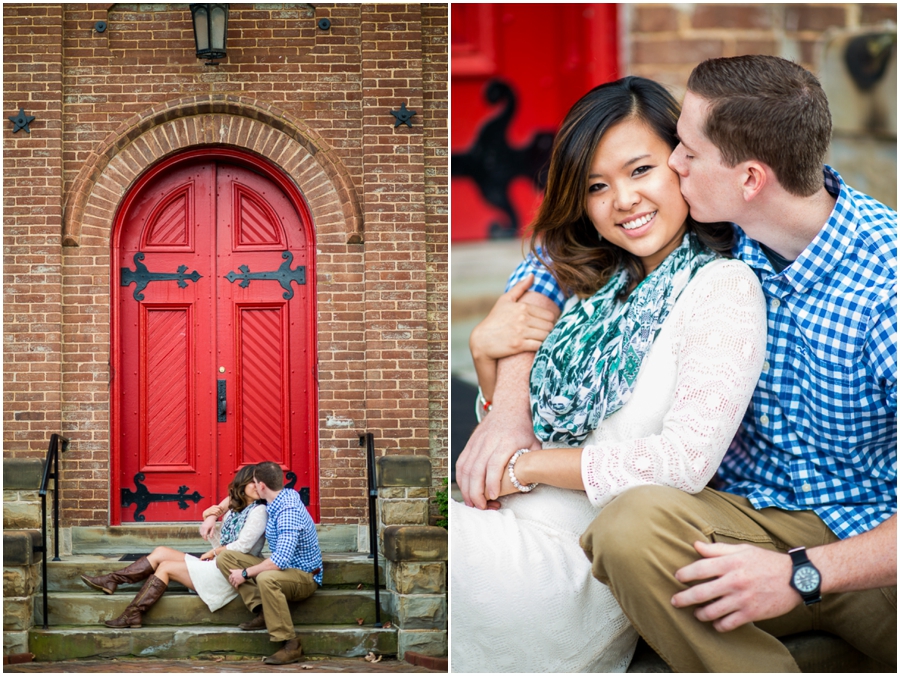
<point x="305" y="666"/>
<point x="372" y="658"/>
<point x="387" y="625"/>
<point x="359" y="586"/>
<point x="360" y="620"/>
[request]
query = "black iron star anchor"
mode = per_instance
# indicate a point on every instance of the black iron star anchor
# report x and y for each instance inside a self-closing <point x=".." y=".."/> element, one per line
<point x="403" y="116"/>
<point x="21" y="121"/>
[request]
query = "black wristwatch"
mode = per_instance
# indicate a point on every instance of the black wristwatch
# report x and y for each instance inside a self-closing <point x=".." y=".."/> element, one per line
<point x="244" y="574"/>
<point x="805" y="577"/>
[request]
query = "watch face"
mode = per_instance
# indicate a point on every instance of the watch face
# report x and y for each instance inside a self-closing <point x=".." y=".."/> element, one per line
<point x="806" y="579"/>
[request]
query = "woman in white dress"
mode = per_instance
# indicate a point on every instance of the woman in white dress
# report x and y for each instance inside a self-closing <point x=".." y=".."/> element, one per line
<point x="243" y="530"/>
<point x="643" y="380"/>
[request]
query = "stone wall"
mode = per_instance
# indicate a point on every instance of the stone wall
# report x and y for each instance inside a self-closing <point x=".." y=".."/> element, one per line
<point x="416" y="556"/>
<point x="21" y="565"/>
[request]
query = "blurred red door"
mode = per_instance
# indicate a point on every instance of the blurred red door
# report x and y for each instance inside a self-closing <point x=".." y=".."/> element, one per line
<point x="516" y="70"/>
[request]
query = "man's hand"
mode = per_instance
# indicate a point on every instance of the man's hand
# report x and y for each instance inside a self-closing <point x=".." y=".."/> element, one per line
<point x="744" y="584"/>
<point x="236" y="577"/>
<point x="207" y="527"/>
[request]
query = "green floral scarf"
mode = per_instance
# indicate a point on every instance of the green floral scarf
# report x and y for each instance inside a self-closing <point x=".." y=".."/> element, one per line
<point x="233" y="523"/>
<point x="586" y="368"/>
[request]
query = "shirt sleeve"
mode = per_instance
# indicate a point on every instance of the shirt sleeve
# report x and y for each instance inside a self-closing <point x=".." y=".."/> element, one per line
<point x="254" y="528"/>
<point x="720" y="350"/>
<point x="544" y="283"/>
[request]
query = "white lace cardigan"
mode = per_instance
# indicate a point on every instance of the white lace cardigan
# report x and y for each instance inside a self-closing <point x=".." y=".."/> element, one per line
<point x="691" y="393"/>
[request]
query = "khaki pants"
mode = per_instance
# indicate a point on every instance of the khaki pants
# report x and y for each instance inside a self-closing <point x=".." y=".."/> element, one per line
<point x="272" y="589"/>
<point x="643" y="536"/>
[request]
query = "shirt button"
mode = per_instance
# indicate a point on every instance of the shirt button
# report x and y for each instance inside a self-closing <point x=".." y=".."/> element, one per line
<point x="807" y="487"/>
<point x="776" y="303"/>
<point x="764" y="419"/>
<point x="765" y="367"/>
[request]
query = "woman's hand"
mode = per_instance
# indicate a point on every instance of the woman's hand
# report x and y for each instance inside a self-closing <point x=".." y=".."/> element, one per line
<point x="211" y="554"/>
<point x="215" y="511"/>
<point x="559" y="467"/>
<point x="513" y="326"/>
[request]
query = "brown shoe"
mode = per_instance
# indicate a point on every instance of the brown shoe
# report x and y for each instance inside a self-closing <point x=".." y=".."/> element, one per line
<point x="137" y="571"/>
<point x="291" y="652"/>
<point x="258" y="622"/>
<point x="149" y="594"/>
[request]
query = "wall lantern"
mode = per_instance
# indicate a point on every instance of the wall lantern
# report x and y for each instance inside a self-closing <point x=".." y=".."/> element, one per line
<point x="210" y="31"/>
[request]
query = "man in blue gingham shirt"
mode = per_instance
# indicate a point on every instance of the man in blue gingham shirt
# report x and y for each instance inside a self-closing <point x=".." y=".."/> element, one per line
<point x="292" y="573"/>
<point x="819" y="436"/>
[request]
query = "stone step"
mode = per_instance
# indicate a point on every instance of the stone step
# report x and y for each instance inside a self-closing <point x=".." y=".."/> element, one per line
<point x="142" y="538"/>
<point x="347" y="570"/>
<point x="325" y="607"/>
<point x="814" y="652"/>
<point x="67" y="643"/>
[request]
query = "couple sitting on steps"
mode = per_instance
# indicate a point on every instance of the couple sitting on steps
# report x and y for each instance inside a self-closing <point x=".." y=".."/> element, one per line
<point x="258" y="508"/>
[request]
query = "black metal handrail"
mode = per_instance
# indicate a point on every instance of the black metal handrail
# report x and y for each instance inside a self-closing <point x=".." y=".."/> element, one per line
<point x="53" y="452"/>
<point x="368" y="440"/>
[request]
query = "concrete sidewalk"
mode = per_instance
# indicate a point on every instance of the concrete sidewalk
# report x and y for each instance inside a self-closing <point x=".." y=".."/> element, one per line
<point x="248" y="665"/>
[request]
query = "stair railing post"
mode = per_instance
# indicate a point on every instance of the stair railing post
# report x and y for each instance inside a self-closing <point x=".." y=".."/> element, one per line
<point x="53" y="451"/>
<point x="369" y="440"/>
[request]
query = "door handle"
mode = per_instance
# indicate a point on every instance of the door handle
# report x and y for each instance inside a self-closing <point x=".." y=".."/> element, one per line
<point x="222" y="401"/>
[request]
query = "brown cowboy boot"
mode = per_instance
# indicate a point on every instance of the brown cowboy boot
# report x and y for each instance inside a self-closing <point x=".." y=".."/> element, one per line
<point x="149" y="594"/>
<point x="258" y="622"/>
<point x="291" y="652"/>
<point x="136" y="572"/>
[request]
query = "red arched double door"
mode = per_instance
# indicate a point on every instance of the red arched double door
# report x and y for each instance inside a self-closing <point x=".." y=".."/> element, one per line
<point x="214" y="351"/>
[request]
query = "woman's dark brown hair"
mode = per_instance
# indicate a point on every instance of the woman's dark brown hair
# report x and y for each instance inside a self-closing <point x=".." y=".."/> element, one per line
<point x="571" y="248"/>
<point x="239" y="498"/>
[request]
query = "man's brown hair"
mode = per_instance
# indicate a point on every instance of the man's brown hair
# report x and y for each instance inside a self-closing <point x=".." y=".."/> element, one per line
<point x="768" y="109"/>
<point x="270" y="474"/>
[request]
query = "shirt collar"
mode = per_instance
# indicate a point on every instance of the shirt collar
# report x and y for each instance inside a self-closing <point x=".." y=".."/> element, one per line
<point x="277" y="501"/>
<point x="823" y="253"/>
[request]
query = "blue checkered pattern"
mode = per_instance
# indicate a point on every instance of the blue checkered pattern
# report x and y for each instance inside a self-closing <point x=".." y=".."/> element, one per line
<point x="821" y="430"/>
<point x="543" y="283"/>
<point x="291" y="534"/>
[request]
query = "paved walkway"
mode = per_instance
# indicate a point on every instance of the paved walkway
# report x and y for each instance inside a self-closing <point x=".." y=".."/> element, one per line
<point x="223" y="665"/>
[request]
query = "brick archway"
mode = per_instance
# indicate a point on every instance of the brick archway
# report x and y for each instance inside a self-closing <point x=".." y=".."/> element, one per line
<point x="223" y="121"/>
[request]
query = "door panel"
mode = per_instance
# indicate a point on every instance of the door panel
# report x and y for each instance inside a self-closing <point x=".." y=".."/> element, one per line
<point x="180" y="334"/>
<point x="263" y="395"/>
<point x="168" y="389"/>
<point x="264" y="344"/>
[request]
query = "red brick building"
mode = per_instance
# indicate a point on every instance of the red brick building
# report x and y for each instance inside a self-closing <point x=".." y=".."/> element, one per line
<point x="134" y="156"/>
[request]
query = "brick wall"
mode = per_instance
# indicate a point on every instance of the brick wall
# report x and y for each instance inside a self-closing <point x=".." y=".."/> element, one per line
<point x="107" y="105"/>
<point x="665" y="41"/>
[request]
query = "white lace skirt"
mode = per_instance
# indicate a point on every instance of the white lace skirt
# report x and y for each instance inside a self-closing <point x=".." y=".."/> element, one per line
<point x="521" y="591"/>
<point x="211" y="585"/>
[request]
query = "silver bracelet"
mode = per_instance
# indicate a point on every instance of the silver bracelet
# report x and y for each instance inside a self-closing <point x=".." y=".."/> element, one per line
<point x="512" y="472"/>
